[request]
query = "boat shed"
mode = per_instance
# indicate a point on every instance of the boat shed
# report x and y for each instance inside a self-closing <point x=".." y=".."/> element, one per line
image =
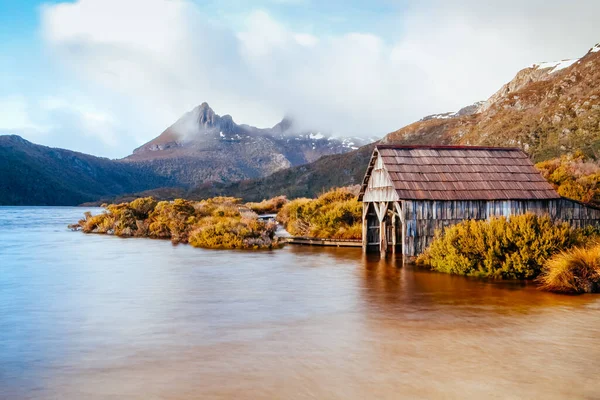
<point x="409" y="192"/>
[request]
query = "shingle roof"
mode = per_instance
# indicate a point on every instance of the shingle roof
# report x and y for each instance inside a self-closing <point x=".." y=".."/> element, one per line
<point x="462" y="173"/>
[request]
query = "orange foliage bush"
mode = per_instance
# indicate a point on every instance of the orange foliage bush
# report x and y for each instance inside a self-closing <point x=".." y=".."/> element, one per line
<point x="574" y="176"/>
<point x="336" y="214"/>
<point x="212" y="223"/>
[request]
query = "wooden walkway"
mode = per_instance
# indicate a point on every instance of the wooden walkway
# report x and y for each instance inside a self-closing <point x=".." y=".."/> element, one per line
<point x="322" y="242"/>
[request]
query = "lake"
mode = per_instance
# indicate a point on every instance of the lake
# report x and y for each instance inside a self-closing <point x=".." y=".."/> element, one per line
<point x="100" y="317"/>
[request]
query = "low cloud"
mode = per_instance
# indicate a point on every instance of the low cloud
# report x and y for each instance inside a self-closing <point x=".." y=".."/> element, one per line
<point x="69" y="122"/>
<point x="15" y="117"/>
<point x="146" y="62"/>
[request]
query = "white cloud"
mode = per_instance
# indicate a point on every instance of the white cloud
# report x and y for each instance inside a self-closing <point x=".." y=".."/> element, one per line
<point x="15" y="117"/>
<point x="263" y="35"/>
<point x="146" y="62"/>
<point x="72" y="123"/>
<point x="140" y="25"/>
<point x="94" y="124"/>
<point x="306" y="39"/>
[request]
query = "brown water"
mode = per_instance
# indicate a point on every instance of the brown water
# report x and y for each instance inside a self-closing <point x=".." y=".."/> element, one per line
<point x="97" y="317"/>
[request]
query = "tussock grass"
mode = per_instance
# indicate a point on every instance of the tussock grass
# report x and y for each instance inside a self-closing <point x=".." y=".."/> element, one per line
<point x="573" y="271"/>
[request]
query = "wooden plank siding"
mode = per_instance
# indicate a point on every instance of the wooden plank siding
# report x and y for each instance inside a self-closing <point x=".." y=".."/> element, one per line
<point x="379" y="186"/>
<point x="423" y="217"/>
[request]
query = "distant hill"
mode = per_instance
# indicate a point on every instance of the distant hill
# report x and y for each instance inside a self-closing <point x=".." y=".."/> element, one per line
<point x="31" y="174"/>
<point x="203" y="146"/>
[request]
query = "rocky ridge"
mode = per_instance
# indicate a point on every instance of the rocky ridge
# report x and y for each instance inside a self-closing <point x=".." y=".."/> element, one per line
<point x="203" y="146"/>
<point x="548" y="109"/>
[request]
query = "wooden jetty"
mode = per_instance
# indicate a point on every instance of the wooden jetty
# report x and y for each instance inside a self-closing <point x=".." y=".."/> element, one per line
<point x="307" y="241"/>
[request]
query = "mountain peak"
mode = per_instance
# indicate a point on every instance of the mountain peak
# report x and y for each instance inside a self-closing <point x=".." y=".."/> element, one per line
<point x="205" y="115"/>
<point x="282" y="126"/>
<point x="202" y="146"/>
<point x="203" y="106"/>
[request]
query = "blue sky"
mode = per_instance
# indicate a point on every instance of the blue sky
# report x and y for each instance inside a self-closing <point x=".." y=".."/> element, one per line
<point x="19" y="44"/>
<point x="321" y="17"/>
<point x="104" y="76"/>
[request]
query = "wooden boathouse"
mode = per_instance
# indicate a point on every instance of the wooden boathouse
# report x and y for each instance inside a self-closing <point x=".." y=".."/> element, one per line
<point x="409" y="192"/>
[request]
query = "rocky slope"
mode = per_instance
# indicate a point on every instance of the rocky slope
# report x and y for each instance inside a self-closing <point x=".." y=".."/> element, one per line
<point x="203" y="146"/>
<point x="308" y="180"/>
<point x="548" y="109"/>
<point x="31" y="174"/>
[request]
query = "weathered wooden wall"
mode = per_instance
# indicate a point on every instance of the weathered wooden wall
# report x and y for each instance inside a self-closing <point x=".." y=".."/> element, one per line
<point x="577" y="214"/>
<point x="380" y="187"/>
<point x="423" y="217"/>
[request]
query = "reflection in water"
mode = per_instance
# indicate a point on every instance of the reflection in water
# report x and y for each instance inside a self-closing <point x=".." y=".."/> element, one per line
<point x="103" y="317"/>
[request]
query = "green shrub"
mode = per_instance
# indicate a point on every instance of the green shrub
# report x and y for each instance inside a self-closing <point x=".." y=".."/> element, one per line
<point x="336" y="214"/>
<point x="500" y="248"/>
<point x="573" y="271"/>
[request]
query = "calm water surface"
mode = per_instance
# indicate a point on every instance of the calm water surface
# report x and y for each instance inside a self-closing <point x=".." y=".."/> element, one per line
<point x="98" y="317"/>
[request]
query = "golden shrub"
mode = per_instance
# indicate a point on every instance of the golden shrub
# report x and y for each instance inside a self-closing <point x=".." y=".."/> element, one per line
<point x="500" y="248"/>
<point x="336" y="214"/>
<point x="229" y="233"/>
<point x="213" y="223"/>
<point x="142" y="207"/>
<point x="574" y="176"/>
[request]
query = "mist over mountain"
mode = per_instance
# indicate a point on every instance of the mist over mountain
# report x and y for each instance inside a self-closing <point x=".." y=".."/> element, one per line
<point x="203" y="146"/>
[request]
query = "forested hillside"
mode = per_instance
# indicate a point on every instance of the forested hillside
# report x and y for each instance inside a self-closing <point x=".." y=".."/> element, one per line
<point x="38" y="175"/>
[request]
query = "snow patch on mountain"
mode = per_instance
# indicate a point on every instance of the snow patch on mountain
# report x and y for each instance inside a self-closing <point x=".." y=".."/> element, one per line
<point x="555" y="65"/>
<point x="468" y="110"/>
